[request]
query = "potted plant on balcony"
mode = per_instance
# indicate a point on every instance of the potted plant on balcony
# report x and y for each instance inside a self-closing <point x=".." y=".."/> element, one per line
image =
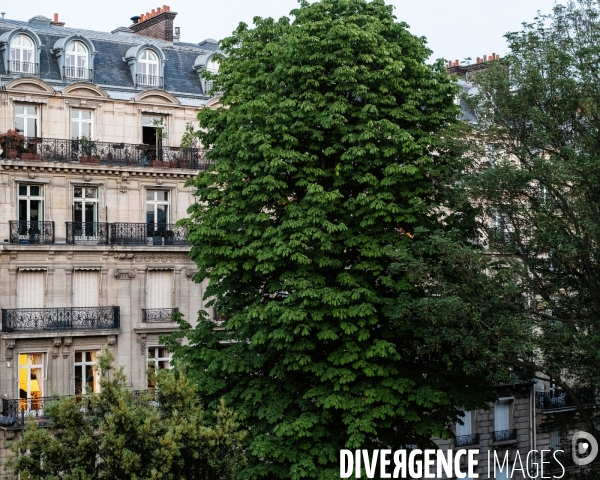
<point x="12" y="143"/>
<point x="88" y="149"/>
<point x="169" y="237"/>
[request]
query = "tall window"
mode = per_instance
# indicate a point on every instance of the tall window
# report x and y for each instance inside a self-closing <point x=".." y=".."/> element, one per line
<point x="85" y="214"/>
<point x="31" y="380"/>
<point x="149" y="130"/>
<point x="31" y="203"/>
<point x="465" y="428"/>
<point x="81" y="123"/>
<point x="158" y="358"/>
<point x="157" y="206"/>
<point x="87" y="379"/>
<point x="501" y="416"/>
<point x="21" y="54"/>
<point x="148" y="68"/>
<point x="26" y="120"/>
<point x="76" y="61"/>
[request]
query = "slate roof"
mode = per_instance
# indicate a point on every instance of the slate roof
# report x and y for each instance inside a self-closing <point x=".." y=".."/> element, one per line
<point x="110" y="71"/>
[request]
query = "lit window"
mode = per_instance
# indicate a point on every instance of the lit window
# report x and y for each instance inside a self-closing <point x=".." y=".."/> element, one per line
<point x="81" y="123"/>
<point x="148" y="69"/>
<point x="21" y="55"/>
<point x="76" y="61"/>
<point x="159" y="358"/>
<point x="26" y="120"/>
<point x="87" y="379"/>
<point x="31" y="381"/>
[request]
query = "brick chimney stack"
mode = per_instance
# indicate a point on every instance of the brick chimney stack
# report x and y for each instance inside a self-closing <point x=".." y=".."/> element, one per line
<point x="156" y="24"/>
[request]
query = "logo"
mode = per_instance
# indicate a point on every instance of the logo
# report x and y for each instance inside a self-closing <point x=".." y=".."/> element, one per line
<point x="585" y="448"/>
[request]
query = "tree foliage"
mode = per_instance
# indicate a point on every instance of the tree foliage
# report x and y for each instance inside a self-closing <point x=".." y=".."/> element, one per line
<point x="119" y="435"/>
<point x="321" y="232"/>
<point x="536" y="179"/>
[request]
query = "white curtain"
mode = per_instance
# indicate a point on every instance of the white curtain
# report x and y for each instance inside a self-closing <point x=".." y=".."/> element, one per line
<point x="31" y="289"/>
<point x="501" y="420"/>
<point x="159" y="289"/>
<point x="465" y="429"/>
<point x="86" y="288"/>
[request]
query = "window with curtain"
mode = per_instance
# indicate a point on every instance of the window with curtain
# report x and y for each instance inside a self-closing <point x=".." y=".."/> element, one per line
<point x="31" y="289"/>
<point x="31" y="380"/>
<point x="159" y="289"/>
<point x="501" y="416"/>
<point x="465" y="429"/>
<point x="86" y="288"/>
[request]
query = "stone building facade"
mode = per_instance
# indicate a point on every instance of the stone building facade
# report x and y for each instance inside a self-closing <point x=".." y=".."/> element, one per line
<point x="92" y="182"/>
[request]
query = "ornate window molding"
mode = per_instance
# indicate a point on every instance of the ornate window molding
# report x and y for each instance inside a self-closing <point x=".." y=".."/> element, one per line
<point x="5" y="41"/>
<point x="67" y="71"/>
<point x="139" y="73"/>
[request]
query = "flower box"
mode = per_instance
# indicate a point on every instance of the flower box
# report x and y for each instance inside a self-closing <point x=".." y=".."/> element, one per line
<point x="89" y="160"/>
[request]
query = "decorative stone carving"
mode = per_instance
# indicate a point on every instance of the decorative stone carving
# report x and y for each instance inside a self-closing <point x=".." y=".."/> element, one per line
<point x="56" y="342"/>
<point x="32" y="175"/>
<point x="87" y="178"/>
<point x="124" y="181"/>
<point x="125" y="274"/>
<point x="159" y="181"/>
<point x="161" y="258"/>
<point x="124" y="256"/>
<point x="190" y="273"/>
<point x="67" y="341"/>
<point x="111" y="340"/>
<point x="8" y="353"/>
<point x="143" y="339"/>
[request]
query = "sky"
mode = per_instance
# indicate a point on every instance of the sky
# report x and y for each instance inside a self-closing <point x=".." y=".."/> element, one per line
<point x="455" y="29"/>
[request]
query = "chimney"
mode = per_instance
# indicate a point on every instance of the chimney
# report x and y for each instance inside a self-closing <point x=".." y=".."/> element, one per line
<point x="56" y="23"/>
<point x="156" y="24"/>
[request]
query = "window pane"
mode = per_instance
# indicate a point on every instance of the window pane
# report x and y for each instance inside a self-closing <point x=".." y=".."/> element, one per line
<point x="23" y="210"/>
<point x="22" y="189"/>
<point x="151" y="353"/>
<point x="35" y="210"/>
<point x="30" y="110"/>
<point x="31" y="127"/>
<point x="164" y="196"/>
<point x="20" y="125"/>
<point x="75" y="113"/>
<point x="86" y="129"/>
<point x="163" y="352"/>
<point x="150" y="194"/>
<point x="86" y="114"/>
<point x="91" y="193"/>
<point x="162" y="213"/>
<point x="88" y="356"/>
<point x="19" y="109"/>
<point x="150" y="214"/>
<point x="75" y="130"/>
<point x="78" y="356"/>
<point x="34" y="190"/>
<point x="78" y="192"/>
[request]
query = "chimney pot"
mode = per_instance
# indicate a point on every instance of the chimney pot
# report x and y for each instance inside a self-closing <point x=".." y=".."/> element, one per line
<point x="56" y="18"/>
<point x="166" y="8"/>
<point x="158" y="10"/>
<point x="485" y="58"/>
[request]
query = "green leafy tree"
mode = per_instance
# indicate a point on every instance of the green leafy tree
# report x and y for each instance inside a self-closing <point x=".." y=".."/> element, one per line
<point x="536" y="178"/>
<point x="119" y="435"/>
<point x="321" y="231"/>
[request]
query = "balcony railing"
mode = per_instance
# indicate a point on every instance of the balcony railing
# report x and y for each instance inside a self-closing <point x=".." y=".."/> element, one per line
<point x="32" y="232"/>
<point x="504" y="435"/>
<point x="147" y="234"/>
<point x="104" y="153"/>
<point x="77" y="73"/>
<point x="151" y="315"/>
<point x="87" y="233"/>
<point x="16" y="67"/>
<point x="153" y="81"/>
<point x="60" y="319"/>
<point x="554" y="400"/>
<point x="466" y="440"/>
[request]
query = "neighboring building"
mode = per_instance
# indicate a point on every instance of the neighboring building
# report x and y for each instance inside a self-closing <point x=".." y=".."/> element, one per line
<point x="89" y="195"/>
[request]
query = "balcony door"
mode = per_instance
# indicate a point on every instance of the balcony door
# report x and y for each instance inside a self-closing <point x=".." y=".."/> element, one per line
<point x="31" y="381"/>
<point x="21" y="55"/>
<point x="87" y="376"/>
<point x="85" y="214"/>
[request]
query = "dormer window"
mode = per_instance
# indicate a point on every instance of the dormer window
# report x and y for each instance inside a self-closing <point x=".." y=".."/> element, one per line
<point x="212" y="67"/>
<point x="76" y="61"/>
<point x="148" y="71"/>
<point x="22" y="55"/>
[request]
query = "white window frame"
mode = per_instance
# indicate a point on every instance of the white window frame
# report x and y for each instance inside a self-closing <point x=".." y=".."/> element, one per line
<point x="31" y="403"/>
<point x="22" y="56"/>
<point x="76" y="63"/>
<point x="84" y="364"/>
<point x="28" y="197"/>
<point x="148" y="68"/>
<point x="25" y="116"/>
<point x="152" y="363"/>
<point x="156" y="202"/>
<point x="80" y="121"/>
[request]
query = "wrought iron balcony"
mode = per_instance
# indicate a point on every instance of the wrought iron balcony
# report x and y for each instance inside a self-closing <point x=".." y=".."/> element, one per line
<point x="93" y="152"/>
<point x="16" y="67"/>
<point x="557" y="400"/>
<point x="60" y="319"/>
<point x="32" y="232"/>
<point x="466" y="440"/>
<point x="77" y="73"/>
<point x="87" y="233"/>
<point x="504" y="435"/>
<point x="147" y="234"/>
<point x="151" y="315"/>
<point x="151" y="81"/>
